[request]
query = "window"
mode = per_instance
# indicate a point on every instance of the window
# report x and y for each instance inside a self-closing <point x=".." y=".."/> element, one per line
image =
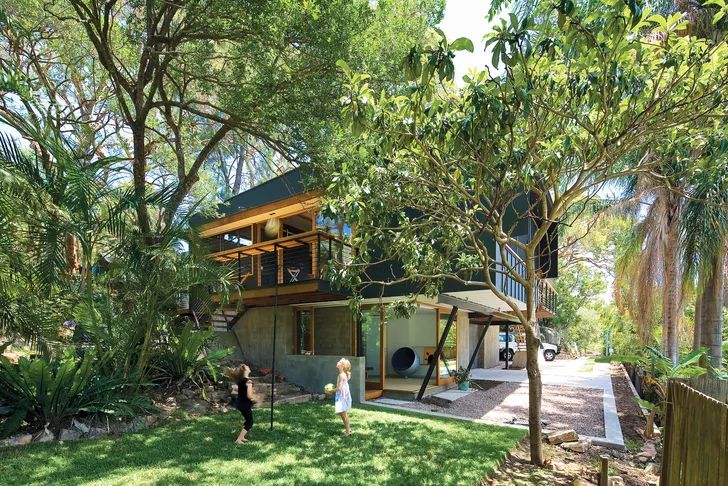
<point x="304" y="332"/>
<point x="448" y="359"/>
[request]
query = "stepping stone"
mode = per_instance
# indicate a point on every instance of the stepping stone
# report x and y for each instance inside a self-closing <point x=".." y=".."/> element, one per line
<point x="452" y="395"/>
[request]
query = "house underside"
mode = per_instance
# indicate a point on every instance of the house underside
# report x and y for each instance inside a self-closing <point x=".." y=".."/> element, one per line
<point x="276" y="244"/>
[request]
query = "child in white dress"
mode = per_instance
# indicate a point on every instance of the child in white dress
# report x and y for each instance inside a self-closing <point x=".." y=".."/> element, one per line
<point x="343" y="395"/>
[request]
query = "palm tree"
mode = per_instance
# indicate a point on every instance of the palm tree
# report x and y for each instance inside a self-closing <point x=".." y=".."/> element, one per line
<point x="651" y="263"/>
<point x="704" y="236"/>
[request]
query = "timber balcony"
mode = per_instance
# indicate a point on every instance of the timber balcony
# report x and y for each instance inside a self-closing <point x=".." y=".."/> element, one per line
<point x="296" y="263"/>
<point x="545" y="292"/>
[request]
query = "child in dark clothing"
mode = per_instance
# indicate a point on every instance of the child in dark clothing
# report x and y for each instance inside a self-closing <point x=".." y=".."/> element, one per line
<point x="245" y="401"/>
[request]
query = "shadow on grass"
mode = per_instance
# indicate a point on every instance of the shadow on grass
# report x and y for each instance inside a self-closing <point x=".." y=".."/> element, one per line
<point x="305" y="447"/>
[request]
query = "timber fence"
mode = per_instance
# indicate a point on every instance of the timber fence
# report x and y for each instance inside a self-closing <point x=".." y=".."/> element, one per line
<point x="695" y="450"/>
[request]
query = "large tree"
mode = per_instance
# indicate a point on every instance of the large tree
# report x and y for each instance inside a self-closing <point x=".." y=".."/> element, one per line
<point x="163" y="84"/>
<point x="577" y="94"/>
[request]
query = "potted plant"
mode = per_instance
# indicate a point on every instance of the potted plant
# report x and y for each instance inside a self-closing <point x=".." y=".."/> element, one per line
<point x="462" y="378"/>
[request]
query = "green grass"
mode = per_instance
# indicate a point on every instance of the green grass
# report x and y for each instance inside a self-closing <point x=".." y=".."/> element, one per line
<point x="306" y="447"/>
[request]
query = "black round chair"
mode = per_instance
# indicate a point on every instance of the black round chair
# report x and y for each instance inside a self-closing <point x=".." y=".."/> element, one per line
<point x="405" y="361"/>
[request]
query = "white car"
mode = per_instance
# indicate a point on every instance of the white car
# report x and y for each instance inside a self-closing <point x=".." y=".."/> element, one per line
<point x="549" y="350"/>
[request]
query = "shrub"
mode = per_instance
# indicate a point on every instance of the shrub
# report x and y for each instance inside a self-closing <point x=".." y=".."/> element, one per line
<point x="52" y="391"/>
<point x="187" y="358"/>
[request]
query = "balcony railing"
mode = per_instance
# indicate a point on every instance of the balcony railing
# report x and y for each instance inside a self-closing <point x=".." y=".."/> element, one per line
<point x="291" y="259"/>
<point x="545" y="293"/>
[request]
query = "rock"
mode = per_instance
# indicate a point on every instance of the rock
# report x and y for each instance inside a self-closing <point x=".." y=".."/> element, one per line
<point x="195" y="406"/>
<point x="80" y="426"/>
<point x="648" y="452"/>
<point x="221" y="396"/>
<point x="582" y="482"/>
<point x="20" y="440"/>
<point x="69" y="434"/>
<point x="560" y="436"/>
<point x="96" y="432"/>
<point x="615" y="481"/>
<point x="150" y="420"/>
<point x="44" y="435"/>
<point x="652" y="469"/>
<point x="581" y="445"/>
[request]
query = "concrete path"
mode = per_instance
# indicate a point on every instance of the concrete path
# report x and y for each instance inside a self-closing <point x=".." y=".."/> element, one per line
<point x="569" y="373"/>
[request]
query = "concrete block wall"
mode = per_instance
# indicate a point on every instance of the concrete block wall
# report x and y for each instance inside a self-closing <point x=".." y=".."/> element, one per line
<point x="255" y="333"/>
<point x="332" y="331"/>
<point x="314" y="372"/>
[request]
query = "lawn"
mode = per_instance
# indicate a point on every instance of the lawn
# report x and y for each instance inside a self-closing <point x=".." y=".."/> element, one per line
<point x="306" y="447"/>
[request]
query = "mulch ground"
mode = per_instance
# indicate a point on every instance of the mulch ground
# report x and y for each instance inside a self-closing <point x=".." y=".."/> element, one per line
<point x="564" y="467"/>
<point x="630" y="414"/>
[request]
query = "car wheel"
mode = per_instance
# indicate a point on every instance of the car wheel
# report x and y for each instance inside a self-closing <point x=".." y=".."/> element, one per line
<point x="549" y="355"/>
<point x="510" y="355"/>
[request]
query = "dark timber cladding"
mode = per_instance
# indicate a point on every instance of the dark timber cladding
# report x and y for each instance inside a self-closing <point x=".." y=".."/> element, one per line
<point x="281" y="187"/>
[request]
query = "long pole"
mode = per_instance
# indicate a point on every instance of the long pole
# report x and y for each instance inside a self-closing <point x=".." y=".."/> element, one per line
<point x="275" y="326"/>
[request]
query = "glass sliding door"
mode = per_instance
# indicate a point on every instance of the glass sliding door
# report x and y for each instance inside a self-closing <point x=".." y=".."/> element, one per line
<point x="449" y="357"/>
<point x="371" y="336"/>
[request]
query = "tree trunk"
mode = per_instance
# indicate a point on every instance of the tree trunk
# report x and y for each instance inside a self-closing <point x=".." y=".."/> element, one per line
<point x="239" y="163"/>
<point x="534" y="392"/>
<point x="712" y="327"/>
<point x="72" y="255"/>
<point x="672" y="290"/>
<point x="698" y="328"/>
<point x="140" y="179"/>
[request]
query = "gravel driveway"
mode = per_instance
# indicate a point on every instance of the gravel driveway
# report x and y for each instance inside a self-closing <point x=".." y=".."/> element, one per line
<point x="503" y="402"/>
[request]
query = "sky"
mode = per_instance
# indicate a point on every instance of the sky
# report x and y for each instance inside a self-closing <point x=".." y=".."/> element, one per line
<point x="468" y="18"/>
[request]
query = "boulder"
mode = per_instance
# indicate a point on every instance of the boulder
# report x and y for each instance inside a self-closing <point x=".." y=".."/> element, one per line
<point x="44" y="435"/>
<point x="568" y="435"/>
<point x="582" y="482"/>
<point x="220" y="396"/>
<point x="69" y="434"/>
<point x="581" y="445"/>
<point x="96" y="432"/>
<point x="195" y="406"/>
<point x="80" y="426"/>
<point x="19" y="440"/>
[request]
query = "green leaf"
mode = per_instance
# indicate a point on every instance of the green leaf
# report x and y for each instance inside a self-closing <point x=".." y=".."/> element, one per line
<point x="462" y="44"/>
<point x="344" y="67"/>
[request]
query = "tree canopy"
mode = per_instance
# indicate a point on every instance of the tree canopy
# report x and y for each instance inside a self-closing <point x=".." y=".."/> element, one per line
<point x="581" y="92"/>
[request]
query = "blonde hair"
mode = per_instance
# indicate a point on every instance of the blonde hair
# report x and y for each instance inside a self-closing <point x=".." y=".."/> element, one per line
<point x="238" y="373"/>
<point x="346" y="367"/>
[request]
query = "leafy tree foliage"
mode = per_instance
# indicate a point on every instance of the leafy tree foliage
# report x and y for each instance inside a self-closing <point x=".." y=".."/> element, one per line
<point x="163" y="85"/>
<point x="578" y="94"/>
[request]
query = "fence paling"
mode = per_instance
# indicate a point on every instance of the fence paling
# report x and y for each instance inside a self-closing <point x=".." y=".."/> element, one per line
<point x="696" y="438"/>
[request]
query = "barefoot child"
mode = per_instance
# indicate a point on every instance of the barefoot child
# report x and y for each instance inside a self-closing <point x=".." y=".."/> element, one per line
<point x="343" y="396"/>
<point x="245" y="400"/>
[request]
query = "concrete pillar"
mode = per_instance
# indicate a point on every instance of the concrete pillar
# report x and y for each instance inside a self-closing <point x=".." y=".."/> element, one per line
<point x="463" y="322"/>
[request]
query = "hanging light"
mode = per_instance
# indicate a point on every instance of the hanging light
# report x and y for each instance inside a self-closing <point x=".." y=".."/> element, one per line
<point x="271" y="227"/>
